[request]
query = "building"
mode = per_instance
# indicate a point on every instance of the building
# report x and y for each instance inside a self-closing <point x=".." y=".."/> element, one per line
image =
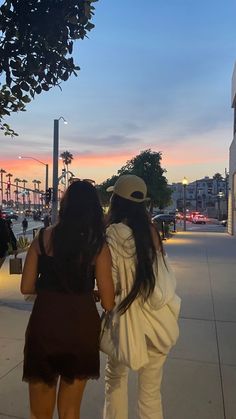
<point x="206" y="195"/>
<point x="232" y="166"/>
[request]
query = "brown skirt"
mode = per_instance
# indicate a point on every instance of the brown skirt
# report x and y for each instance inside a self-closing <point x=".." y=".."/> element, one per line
<point x="62" y="338"/>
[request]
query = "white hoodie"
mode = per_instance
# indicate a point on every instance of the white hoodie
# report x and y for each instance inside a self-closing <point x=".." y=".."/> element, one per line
<point x="157" y="317"/>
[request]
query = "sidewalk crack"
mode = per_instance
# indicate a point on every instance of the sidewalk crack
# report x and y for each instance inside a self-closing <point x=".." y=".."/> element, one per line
<point x="11" y="416"/>
<point x="12" y="369"/>
<point x="216" y="334"/>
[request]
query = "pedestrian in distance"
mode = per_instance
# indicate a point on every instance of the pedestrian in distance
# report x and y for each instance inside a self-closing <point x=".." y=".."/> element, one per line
<point x="62" y="338"/>
<point x="4" y="239"/>
<point x="145" y="294"/>
<point x="12" y="243"/>
<point x="24" y="225"/>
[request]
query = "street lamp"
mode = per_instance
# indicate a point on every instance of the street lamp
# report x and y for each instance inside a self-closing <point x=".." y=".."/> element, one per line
<point x="39" y="161"/>
<point x="220" y="195"/>
<point x="184" y="183"/>
<point x="55" y="167"/>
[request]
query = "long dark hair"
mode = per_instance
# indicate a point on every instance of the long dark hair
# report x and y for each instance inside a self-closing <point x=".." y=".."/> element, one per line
<point x="79" y="234"/>
<point x="135" y="216"/>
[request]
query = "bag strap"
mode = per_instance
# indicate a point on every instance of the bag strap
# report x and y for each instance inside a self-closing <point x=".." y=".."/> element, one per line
<point x="41" y="244"/>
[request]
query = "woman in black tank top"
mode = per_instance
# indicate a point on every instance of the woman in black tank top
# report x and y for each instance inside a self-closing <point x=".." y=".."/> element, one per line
<point x="62" y="337"/>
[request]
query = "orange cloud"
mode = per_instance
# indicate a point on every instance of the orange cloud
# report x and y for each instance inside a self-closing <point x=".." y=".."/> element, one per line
<point x="198" y="157"/>
<point x="82" y="166"/>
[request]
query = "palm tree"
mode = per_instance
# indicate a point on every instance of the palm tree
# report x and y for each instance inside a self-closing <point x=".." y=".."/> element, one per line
<point x="27" y="193"/>
<point x="34" y="194"/>
<point x="218" y="177"/>
<point x="38" y="183"/>
<point x="67" y="158"/>
<point x="17" y="181"/>
<point x="15" y="193"/>
<point x="41" y="198"/>
<point x="9" y="175"/>
<point x="24" y="181"/>
<point x="1" y="172"/>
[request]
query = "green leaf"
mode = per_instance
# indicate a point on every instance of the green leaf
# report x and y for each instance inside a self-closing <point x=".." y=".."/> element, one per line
<point x="5" y="112"/>
<point x="14" y="64"/>
<point x="73" y="20"/>
<point x="16" y="90"/>
<point x="45" y="87"/>
<point x="26" y="99"/>
<point x="24" y="86"/>
<point x="65" y="76"/>
<point x="70" y="47"/>
<point x="89" y="26"/>
<point x="38" y="90"/>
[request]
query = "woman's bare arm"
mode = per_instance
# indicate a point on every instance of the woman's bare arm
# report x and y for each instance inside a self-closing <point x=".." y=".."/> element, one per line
<point x="104" y="280"/>
<point x="30" y="271"/>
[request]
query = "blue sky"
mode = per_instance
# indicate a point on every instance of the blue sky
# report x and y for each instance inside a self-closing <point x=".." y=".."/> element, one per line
<point x="154" y="74"/>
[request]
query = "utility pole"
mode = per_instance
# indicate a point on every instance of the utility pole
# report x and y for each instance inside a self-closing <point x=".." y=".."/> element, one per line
<point x="55" y="170"/>
<point x="55" y="167"/>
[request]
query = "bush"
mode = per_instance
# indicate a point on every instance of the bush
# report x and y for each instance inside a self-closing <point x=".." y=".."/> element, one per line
<point x="23" y="243"/>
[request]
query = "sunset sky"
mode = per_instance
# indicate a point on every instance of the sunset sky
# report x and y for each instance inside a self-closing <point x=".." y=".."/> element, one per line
<point x="154" y="74"/>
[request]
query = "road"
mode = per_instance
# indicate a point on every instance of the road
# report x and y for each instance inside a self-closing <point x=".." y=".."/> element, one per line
<point x="17" y="227"/>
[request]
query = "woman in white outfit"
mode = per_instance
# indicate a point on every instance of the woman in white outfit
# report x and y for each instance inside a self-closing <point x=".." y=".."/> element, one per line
<point x="145" y="284"/>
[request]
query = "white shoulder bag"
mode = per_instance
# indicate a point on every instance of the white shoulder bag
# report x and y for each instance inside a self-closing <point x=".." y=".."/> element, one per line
<point x="123" y="339"/>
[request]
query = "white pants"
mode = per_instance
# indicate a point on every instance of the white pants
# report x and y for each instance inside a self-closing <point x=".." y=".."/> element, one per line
<point x="149" y="383"/>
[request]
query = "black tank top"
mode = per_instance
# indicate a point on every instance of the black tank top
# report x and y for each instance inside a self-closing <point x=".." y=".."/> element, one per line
<point x="49" y="278"/>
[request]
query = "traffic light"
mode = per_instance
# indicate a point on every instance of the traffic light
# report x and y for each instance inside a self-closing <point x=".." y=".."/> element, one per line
<point x="48" y="196"/>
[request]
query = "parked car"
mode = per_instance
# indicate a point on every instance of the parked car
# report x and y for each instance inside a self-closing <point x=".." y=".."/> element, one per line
<point x="193" y="214"/>
<point x="199" y="219"/>
<point x="179" y="216"/>
<point x="9" y="215"/>
<point x="28" y="213"/>
<point x="167" y="218"/>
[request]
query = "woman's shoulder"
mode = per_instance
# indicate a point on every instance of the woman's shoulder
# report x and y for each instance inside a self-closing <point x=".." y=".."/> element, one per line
<point x="42" y="240"/>
<point x="119" y="232"/>
<point x="118" y="227"/>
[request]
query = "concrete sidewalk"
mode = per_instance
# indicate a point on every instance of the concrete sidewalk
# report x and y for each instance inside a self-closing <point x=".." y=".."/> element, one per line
<point x="200" y="374"/>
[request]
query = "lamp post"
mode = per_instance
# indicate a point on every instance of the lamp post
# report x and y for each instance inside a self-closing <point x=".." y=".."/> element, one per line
<point x="220" y="195"/>
<point x="39" y="161"/>
<point x="55" y="167"/>
<point x="226" y="190"/>
<point x="184" y="183"/>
